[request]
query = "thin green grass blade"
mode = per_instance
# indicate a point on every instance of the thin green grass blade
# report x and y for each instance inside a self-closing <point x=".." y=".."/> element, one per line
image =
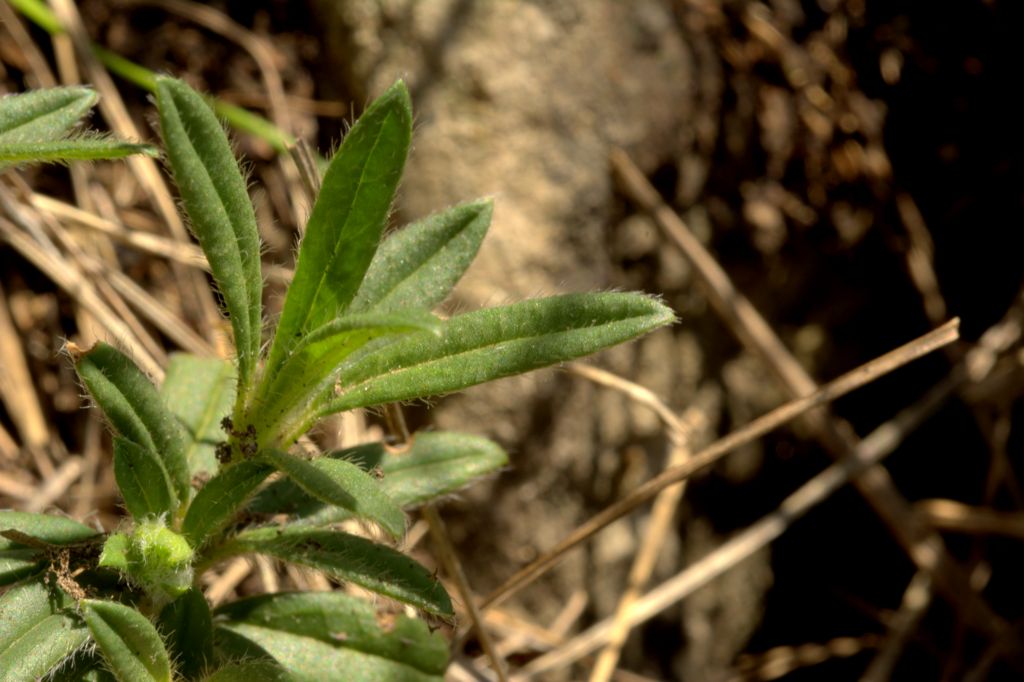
<point x="342" y="484"/>
<point x="349" y="627"/>
<point x="214" y="194"/>
<point x="348" y="218"/>
<point x="310" y="370"/>
<point x="354" y="559"/>
<point x="36" y="637"/>
<point x="187" y="625"/>
<point x="200" y="392"/>
<point x="135" y="409"/>
<point x="417" y="266"/>
<point x="494" y="343"/>
<point x="221" y="498"/>
<point x="43" y="114"/>
<point x="130" y="644"/>
<point x="143" y="480"/>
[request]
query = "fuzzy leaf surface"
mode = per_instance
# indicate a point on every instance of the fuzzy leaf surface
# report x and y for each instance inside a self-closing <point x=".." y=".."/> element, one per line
<point x="348" y="218"/>
<point x="496" y="342"/>
<point x="435" y="464"/>
<point x="250" y="671"/>
<point x="200" y="392"/>
<point x="343" y="484"/>
<point x="310" y="369"/>
<point x="35" y="635"/>
<point x="375" y="567"/>
<point x="221" y="498"/>
<point x="417" y="266"/>
<point x="54" y="530"/>
<point x="187" y="625"/>
<point x="142" y="479"/>
<point x="135" y="409"/>
<point x="215" y="198"/>
<point x="343" y="622"/>
<point x="43" y="114"/>
<point x="130" y="644"/>
<point x="78" y="148"/>
<point x="23" y="536"/>
<point x="310" y="660"/>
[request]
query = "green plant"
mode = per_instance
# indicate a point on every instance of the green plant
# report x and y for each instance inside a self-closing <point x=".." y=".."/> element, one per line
<point x="194" y="458"/>
<point x="39" y="126"/>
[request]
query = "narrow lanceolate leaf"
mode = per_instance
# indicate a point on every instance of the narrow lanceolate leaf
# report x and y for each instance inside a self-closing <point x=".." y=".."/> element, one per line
<point x="36" y="636"/>
<point x="347" y="557"/>
<point x="439" y="464"/>
<point x="43" y="114"/>
<point x="434" y="465"/>
<point x="496" y="342"/>
<point x="345" y="226"/>
<point x="309" y="371"/>
<point x="221" y="498"/>
<point x="343" y="484"/>
<point x="417" y="266"/>
<point x="88" y="148"/>
<point x="135" y="409"/>
<point x="222" y="217"/>
<point x="53" y="530"/>
<point x="142" y="479"/>
<point x="188" y="627"/>
<point x="200" y="392"/>
<point x="130" y="644"/>
<point x="346" y="624"/>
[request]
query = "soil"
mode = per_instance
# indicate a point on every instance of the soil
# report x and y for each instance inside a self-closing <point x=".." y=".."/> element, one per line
<point x="855" y="168"/>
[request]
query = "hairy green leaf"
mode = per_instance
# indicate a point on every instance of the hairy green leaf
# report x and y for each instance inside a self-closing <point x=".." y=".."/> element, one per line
<point x="130" y="644"/>
<point x="24" y="536"/>
<point x="496" y="342"/>
<point x="36" y="636"/>
<point x="221" y="498"/>
<point x="80" y="148"/>
<point x="309" y="371"/>
<point x="310" y="660"/>
<point x="143" y="480"/>
<point x="18" y="563"/>
<point x="115" y="552"/>
<point x="375" y="567"/>
<point x="345" y="226"/>
<point x="200" y="392"/>
<point x="343" y="622"/>
<point x="54" y="530"/>
<point x="434" y="465"/>
<point x="214" y="195"/>
<point x="439" y="464"/>
<point x="43" y="114"/>
<point x="417" y="266"/>
<point x="250" y="671"/>
<point x="188" y="628"/>
<point x="135" y="409"/>
<point x="343" y="484"/>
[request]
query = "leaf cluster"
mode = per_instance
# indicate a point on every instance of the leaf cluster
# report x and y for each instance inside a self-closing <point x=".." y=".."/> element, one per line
<point x="206" y="461"/>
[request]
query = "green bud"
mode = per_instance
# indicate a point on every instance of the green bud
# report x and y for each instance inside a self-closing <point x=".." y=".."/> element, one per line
<point x="152" y="556"/>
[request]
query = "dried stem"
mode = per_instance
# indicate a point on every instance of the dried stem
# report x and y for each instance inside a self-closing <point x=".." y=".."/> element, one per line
<point x="922" y="544"/>
<point x="848" y="382"/>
